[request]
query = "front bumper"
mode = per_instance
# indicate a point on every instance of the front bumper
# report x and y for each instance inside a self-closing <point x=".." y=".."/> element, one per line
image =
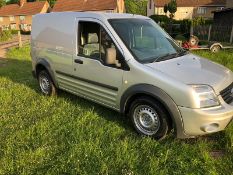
<point x="203" y="121"/>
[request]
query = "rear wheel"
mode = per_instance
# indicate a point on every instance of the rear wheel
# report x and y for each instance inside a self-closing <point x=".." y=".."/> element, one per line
<point x="47" y="86"/>
<point x="149" y="118"/>
<point x="215" y="49"/>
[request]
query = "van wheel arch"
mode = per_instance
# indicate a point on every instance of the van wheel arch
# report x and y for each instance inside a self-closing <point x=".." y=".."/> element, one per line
<point x="39" y="68"/>
<point x="157" y="94"/>
<point x="41" y="65"/>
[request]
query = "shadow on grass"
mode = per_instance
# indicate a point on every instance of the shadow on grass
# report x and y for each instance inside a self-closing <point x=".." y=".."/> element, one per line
<point x="19" y="71"/>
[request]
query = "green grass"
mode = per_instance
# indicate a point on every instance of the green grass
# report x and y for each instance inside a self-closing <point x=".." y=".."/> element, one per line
<point x="70" y="135"/>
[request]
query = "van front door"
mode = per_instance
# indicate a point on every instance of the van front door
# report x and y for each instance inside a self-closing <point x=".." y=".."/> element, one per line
<point x="98" y="66"/>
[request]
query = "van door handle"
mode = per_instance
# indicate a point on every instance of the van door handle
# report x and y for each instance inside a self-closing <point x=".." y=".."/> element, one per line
<point x="78" y="61"/>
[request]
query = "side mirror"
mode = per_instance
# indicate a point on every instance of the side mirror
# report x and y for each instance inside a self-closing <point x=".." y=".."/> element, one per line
<point x="111" y="56"/>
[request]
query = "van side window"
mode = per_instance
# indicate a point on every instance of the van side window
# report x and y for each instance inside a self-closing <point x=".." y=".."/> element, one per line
<point x="95" y="43"/>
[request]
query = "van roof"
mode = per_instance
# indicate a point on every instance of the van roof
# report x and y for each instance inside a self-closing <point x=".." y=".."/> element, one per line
<point x="98" y="15"/>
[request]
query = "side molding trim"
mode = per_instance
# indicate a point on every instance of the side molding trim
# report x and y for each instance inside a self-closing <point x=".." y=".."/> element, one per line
<point x="88" y="81"/>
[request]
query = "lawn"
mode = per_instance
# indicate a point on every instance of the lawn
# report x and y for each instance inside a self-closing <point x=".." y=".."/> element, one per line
<point x="70" y="135"/>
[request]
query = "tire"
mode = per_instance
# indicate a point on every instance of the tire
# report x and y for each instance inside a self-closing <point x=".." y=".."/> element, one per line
<point x="215" y="49"/>
<point x="193" y="41"/>
<point x="47" y="86"/>
<point x="149" y="118"/>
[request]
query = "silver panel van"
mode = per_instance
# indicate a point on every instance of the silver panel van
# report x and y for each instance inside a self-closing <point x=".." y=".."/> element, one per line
<point x="128" y="63"/>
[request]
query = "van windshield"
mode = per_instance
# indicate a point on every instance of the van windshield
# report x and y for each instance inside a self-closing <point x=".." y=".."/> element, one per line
<point x="146" y="40"/>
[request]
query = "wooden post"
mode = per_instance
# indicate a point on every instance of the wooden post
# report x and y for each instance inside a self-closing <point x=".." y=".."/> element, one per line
<point x="210" y="27"/>
<point x="231" y="38"/>
<point x="20" y="39"/>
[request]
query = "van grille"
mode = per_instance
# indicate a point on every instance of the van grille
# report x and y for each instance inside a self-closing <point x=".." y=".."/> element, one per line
<point x="227" y="94"/>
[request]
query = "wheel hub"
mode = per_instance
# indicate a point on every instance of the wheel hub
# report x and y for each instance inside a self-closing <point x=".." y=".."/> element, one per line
<point x="146" y="119"/>
<point x="44" y="84"/>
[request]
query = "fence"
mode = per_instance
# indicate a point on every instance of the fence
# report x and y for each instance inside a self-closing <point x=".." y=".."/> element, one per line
<point x="214" y="33"/>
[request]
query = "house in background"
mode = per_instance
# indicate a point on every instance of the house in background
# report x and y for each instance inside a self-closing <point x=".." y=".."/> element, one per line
<point x="19" y="16"/>
<point x="111" y="6"/>
<point x="187" y="9"/>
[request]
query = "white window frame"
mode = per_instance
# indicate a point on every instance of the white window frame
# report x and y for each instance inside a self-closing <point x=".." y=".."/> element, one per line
<point x="12" y="18"/>
<point x="219" y="8"/>
<point x="161" y="11"/>
<point x="13" y="26"/>
<point x="201" y="10"/>
<point x="22" y="18"/>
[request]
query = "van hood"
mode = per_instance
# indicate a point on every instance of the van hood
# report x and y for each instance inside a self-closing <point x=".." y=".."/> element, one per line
<point x="192" y="69"/>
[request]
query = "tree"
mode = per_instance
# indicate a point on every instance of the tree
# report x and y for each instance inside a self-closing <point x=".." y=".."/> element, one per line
<point x="2" y="3"/>
<point x="165" y="8"/>
<point x="51" y="2"/>
<point x="172" y="8"/>
<point x="136" y="6"/>
<point x="12" y="1"/>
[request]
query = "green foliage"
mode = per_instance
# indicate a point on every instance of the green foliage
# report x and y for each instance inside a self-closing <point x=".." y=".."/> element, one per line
<point x="14" y="32"/>
<point x="165" y="8"/>
<point x="136" y="6"/>
<point x="5" y="35"/>
<point x="69" y="135"/>
<point x="12" y="1"/>
<point x="171" y="7"/>
<point x="209" y="21"/>
<point x="181" y="38"/>
<point x="198" y="21"/>
<point x="2" y="3"/>
<point x="185" y="26"/>
<point x="160" y="18"/>
<point x="52" y="2"/>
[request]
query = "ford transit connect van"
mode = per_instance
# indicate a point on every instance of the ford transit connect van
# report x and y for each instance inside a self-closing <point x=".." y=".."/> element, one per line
<point x="129" y="64"/>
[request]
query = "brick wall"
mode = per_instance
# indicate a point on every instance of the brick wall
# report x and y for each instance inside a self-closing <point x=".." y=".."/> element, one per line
<point x="15" y="24"/>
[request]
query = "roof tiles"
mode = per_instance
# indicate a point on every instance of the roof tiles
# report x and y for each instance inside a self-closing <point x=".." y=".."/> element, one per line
<point x="29" y="8"/>
<point x="84" y="5"/>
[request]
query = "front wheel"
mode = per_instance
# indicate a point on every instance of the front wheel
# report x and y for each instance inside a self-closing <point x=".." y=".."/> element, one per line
<point x="47" y="86"/>
<point x="149" y="118"/>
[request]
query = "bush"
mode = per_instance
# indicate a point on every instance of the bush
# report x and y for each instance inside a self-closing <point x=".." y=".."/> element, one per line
<point x="14" y="32"/>
<point x="26" y="32"/>
<point x="198" y="21"/>
<point x="5" y="35"/>
<point x="160" y="18"/>
<point x="181" y="38"/>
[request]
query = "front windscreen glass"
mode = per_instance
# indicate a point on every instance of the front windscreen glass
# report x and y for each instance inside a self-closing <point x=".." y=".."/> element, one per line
<point x="146" y="40"/>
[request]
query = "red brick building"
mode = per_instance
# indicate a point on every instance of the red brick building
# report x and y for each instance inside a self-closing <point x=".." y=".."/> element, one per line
<point x="116" y="6"/>
<point x="19" y="16"/>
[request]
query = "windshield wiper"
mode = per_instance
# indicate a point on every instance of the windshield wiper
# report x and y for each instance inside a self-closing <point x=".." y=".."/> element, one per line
<point x="170" y="56"/>
<point x="165" y="57"/>
<point x="182" y="52"/>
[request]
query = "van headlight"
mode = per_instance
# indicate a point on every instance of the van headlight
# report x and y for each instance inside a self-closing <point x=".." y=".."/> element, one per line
<point x="205" y="96"/>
